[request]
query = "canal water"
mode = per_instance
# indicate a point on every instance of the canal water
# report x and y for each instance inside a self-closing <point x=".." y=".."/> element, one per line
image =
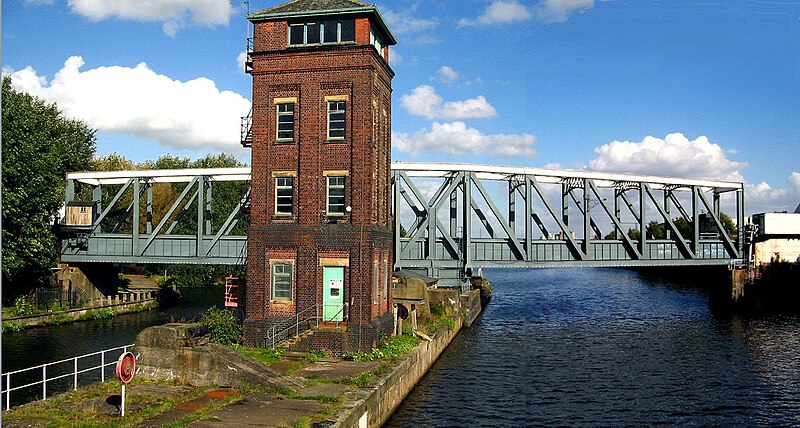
<point x="606" y="347"/>
<point x="42" y="345"/>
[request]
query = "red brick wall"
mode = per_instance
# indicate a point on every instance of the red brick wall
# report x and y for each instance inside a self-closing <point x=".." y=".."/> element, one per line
<point x="310" y="74"/>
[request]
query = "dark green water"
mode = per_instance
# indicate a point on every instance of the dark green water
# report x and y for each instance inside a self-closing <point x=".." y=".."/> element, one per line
<point x="48" y="344"/>
<point x="604" y="347"/>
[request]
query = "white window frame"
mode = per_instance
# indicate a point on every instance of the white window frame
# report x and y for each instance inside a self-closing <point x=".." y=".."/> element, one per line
<point x="278" y="115"/>
<point x="283" y="186"/>
<point x="274" y="265"/>
<point x="337" y="107"/>
<point x="329" y="186"/>
<point x="322" y="41"/>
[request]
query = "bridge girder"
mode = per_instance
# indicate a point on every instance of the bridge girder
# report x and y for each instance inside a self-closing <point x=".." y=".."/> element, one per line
<point x="460" y="217"/>
<point x="554" y="200"/>
<point x="140" y="235"/>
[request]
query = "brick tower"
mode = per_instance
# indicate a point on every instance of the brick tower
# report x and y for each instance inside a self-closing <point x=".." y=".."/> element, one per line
<point x="320" y="236"/>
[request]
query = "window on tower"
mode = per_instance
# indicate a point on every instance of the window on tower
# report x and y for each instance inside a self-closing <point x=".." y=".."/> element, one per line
<point x="285" y="121"/>
<point x="377" y="42"/>
<point x="336" y="120"/>
<point x="325" y="32"/>
<point x="281" y="281"/>
<point x="284" y="195"/>
<point x="335" y="202"/>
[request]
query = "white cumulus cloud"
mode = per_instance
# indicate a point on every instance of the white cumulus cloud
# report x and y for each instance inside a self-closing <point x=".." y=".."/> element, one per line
<point x="795" y="180"/>
<point x="138" y="101"/>
<point x="424" y="101"/>
<point x="175" y="14"/>
<point x="447" y="75"/>
<point x="402" y="22"/>
<point x="674" y="156"/>
<point x="560" y="10"/>
<point x="456" y="139"/>
<point x="762" y="197"/>
<point x="241" y="59"/>
<point x="499" y="12"/>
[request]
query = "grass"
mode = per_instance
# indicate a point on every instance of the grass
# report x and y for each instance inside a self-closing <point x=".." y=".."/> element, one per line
<point x="266" y="356"/>
<point x="68" y="409"/>
<point x="389" y="349"/>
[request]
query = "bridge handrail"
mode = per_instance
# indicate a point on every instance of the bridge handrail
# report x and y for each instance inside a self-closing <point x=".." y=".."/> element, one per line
<point x="5" y="378"/>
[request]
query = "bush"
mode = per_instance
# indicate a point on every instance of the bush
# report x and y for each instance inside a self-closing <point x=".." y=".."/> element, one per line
<point x="22" y="307"/>
<point x="11" y="327"/>
<point x="437" y="308"/>
<point x="389" y="348"/>
<point x="99" y="314"/>
<point x="224" y="327"/>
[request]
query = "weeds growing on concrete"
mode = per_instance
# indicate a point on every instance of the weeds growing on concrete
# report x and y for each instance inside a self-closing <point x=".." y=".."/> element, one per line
<point x="389" y="348"/>
<point x="77" y="408"/>
<point x="266" y="356"/>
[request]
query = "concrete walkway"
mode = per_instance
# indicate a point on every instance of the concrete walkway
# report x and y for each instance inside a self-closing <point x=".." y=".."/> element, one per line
<point x="327" y="381"/>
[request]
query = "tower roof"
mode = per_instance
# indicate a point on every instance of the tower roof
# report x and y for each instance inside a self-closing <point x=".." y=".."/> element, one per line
<point x="321" y="8"/>
<point x="314" y="5"/>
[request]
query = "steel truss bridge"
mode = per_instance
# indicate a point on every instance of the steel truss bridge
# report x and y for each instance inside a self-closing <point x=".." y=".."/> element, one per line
<point x="448" y="218"/>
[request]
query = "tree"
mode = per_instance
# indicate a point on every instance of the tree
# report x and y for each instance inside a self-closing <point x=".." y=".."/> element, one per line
<point x="40" y="146"/>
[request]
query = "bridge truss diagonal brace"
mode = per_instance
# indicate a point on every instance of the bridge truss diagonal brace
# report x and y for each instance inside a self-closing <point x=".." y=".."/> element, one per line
<point x="429" y="223"/>
<point x="168" y="215"/>
<point x="630" y="247"/>
<point x="572" y="244"/>
<point x="230" y="222"/>
<point x="714" y="213"/>
<point x="689" y="254"/>
<point x="516" y="246"/>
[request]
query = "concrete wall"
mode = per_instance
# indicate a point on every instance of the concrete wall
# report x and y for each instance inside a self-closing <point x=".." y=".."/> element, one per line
<point x="780" y="250"/>
<point x="372" y="407"/>
<point x="120" y="305"/>
<point x="172" y="353"/>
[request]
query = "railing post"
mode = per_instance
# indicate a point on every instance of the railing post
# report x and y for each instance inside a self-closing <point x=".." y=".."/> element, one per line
<point x="8" y="391"/>
<point x="75" y="374"/>
<point x="102" y="366"/>
<point x="44" y="382"/>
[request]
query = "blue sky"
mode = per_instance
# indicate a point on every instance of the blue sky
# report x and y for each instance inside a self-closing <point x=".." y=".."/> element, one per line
<point x="678" y="88"/>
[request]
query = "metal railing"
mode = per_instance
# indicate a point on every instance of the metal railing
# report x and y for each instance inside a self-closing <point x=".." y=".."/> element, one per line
<point x="6" y="384"/>
<point x="274" y="332"/>
<point x="276" y="336"/>
<point x="247" y="130"/>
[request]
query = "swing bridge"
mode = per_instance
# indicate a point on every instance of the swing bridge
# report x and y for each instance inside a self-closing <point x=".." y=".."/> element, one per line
<point x="448" y="218"/>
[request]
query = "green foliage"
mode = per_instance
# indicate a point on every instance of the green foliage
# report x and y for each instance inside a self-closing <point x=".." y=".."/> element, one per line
<point x="39" y="147"/>
<point x="267" y="356"/>
<point x="437" y="308"/>
<point x="60" y="318"/>
<point x="225" y="328"/>
<point x="11" y="327"/>
<point x="99" y="314"/>
<point x="22" y="307"/>
<point x="389" y="348"/>
<point x="728" y="224"/>
<point x="448" y="322"/>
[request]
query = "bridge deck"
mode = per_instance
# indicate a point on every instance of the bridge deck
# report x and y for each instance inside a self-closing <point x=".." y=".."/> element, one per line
<point x="449" y="218"/>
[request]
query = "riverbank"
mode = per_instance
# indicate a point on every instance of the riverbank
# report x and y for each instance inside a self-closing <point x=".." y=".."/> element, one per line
<point x="108" y="309"/>
<point x="328" y="392"/>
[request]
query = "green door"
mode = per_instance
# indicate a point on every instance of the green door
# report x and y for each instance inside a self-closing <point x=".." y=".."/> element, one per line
<point x="332" y="293"/>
